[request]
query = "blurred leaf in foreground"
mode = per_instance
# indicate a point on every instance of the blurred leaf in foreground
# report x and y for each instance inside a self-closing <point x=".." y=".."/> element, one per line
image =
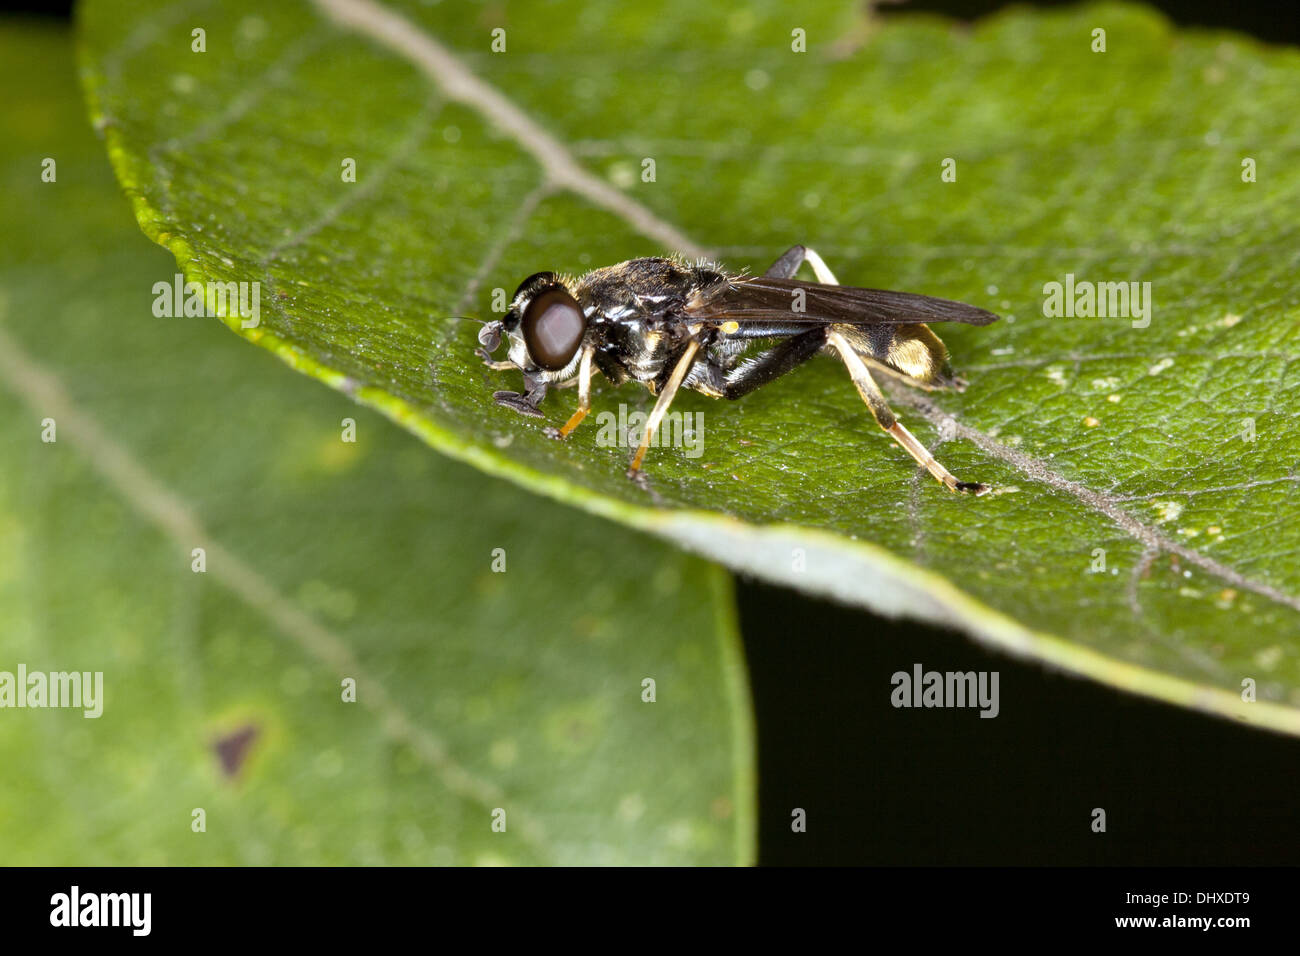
<point x="323" y="560"/>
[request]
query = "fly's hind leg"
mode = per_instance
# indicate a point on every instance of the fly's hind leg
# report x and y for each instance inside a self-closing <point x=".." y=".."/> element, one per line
<point x="793" y="258"/>
<point x="886" y="419"/>
<point x="945" y="382"/>
<point x="782" y="359"/>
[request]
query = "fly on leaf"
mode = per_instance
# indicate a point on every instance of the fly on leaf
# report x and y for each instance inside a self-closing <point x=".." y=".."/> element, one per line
<point x="669" y="323"/>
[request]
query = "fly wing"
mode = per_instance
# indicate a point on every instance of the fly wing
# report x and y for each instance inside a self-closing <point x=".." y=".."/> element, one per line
<point x="766" y="300"/>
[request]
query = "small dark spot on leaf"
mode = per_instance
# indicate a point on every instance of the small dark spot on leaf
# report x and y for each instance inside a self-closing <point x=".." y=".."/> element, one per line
<point x="232" y="749"/>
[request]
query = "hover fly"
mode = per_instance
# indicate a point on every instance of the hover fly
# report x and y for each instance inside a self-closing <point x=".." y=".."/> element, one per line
<point x="669" y="323"/>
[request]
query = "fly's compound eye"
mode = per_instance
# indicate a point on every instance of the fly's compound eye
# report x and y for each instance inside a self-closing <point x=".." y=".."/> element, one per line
<point x="553" y="325"/>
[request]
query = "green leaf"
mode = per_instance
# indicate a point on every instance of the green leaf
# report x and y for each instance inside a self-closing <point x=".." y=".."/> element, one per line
<point x="476" y="168"/>
<point x="324" y="560"/>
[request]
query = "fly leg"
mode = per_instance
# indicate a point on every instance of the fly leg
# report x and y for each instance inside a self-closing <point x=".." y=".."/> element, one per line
<point x="776" y="362"/>
<point x="584" y="397"/>
<point x="944" y="383"/>
<point x="793" y="258"/>
<point x="886" y="419"/>
<point x="772" y="364"/>
<point x="665" y="399"/>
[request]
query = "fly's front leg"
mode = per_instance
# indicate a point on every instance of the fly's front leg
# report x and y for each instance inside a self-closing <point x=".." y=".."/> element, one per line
<point x="793" y="258"/>
<point x="886" y="419"/>
<point x="584" y="397"/>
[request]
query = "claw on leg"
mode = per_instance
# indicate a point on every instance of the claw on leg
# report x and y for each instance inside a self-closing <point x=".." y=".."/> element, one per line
<point x="900" y="434"/>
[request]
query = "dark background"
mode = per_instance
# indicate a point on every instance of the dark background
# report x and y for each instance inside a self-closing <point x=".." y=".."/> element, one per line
<point x="942" y="786"/>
